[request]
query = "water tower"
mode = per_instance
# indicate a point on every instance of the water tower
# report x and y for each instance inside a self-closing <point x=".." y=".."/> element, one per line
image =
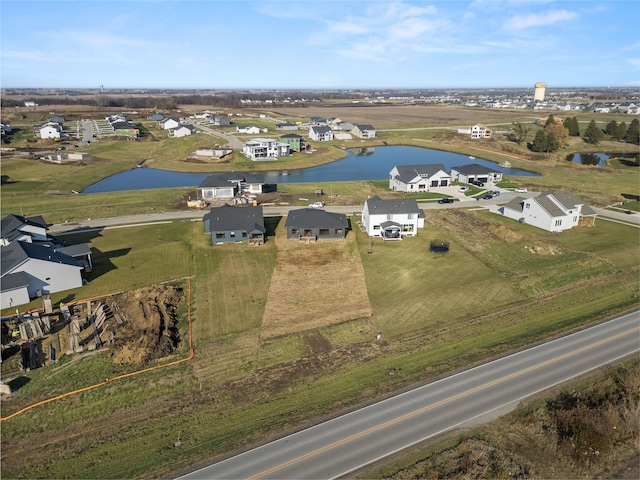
<point x="538" y="95"/>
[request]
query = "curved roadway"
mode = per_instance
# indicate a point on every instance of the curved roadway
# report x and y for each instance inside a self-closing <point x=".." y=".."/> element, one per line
<point x="347" y="443"/>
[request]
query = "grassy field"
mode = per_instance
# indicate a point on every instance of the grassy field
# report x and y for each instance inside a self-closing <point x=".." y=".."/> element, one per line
<point x="260" y="369"/>
<point x="433" y="312"/>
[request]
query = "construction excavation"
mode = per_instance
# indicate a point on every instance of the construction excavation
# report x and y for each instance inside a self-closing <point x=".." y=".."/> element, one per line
<point x="135" y="327"/>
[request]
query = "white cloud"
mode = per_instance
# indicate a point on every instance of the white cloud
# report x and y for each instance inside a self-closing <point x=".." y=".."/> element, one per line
<point x="520" y="22"/>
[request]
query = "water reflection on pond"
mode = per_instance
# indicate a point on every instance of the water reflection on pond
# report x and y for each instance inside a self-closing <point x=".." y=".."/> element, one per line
<point x="360" y="164"/>
<point x="600" y="159"/>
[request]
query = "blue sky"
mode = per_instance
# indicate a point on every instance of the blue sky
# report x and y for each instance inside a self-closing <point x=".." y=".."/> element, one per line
<point x="319" y="44"/>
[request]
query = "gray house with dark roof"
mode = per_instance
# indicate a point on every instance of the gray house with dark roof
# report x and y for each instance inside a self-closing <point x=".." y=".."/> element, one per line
<point x="475" y="173"/>
<point x="554" y="212"/>
<point x="320" y="133"/>
<point x="26" y="229"/>
<point x="230" y="224"/>
<point x="316" y="224"/>
<point x="29" y="270"/>
<point x="418" y="178"/>
<point x="361" y="130"/>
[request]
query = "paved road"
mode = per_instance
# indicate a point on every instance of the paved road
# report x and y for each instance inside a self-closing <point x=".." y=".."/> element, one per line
<point x="347" y="443"/>
<point x="232" y="141"/>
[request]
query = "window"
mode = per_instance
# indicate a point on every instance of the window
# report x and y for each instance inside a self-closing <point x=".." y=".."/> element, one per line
<point x="294" y="231"/>
<point x="376" y="227"/>
<point x="232" y="234"/>
<point x="219" y="234"/>
<point x="324" y="231"/>
<point x="409" y="216"/>
<point x="389" y="216"/>
<point x="558" y="222"/>
<point x="527" y="205"/>
<point x="339" y="231"/>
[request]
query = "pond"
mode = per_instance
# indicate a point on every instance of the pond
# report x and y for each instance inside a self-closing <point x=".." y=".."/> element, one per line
<point x="359" y="164"/>
<point x="600" y="159"/>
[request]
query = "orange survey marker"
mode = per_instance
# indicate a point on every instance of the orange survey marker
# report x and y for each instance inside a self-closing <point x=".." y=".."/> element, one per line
<point x="119" y="377"/>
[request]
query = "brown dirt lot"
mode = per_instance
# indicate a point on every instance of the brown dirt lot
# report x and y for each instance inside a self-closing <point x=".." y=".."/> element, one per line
<point x="304" y="294"/>
<point x="397" y="114"/>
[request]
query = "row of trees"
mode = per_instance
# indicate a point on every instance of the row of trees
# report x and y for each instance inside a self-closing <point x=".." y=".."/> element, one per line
<point x="555" y="135"/>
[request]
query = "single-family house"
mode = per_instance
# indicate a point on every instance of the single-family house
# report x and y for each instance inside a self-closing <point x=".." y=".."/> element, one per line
<point x="59" y="119"/>
<point x="364" y="131"/>
<point x="296" y="142"/>
<point x="392" y="219"/>
<point x="181" y="131"/>
<point x="25" y="229"/>
<point x="475" y="173"/>
<point x="226" y="185"/>
<point x="251" y="130"/>
<point x="554" y="212"/>
<point x="418" y="178"/>
<point x="317" y="121"/>
<point x="316" y="224"/>
<point x="476" y="131"/>
<point x="169" y="123"/>
<point x="220" y="120"/>
<point x="229" y="223"/>
<point x="287" y="126"/>
<point x="320" y="133"/>
<point x="265" y="149"/>
<point x="5" y="127"/>
<point x="29" y="270"/>
<point x="50" y="130"/>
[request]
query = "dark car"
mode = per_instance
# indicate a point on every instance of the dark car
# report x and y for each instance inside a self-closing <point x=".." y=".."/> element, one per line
<point x="445" y="200"/>
<point x="495" y="193"/>
<point x="478" y="183"/>
<point x="487" y="197"/>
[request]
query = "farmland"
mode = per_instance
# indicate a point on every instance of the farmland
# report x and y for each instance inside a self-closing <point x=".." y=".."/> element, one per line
<point x="272" y="354"/>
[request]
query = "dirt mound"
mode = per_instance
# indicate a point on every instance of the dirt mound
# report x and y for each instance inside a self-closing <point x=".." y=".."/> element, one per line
<point x="151" y="330"/>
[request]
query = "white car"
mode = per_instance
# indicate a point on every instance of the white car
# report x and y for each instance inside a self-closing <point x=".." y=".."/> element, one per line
<point x="463" y="189"/>
<point x="520" y="190"/>
<point x="316" y="205"/>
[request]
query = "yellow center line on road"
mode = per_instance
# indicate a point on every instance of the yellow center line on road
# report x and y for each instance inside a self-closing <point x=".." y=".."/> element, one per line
<point x="453" y="398"/>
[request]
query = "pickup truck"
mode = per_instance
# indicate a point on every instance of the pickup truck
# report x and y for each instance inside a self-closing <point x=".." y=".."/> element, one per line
<point x="316" y="205"/>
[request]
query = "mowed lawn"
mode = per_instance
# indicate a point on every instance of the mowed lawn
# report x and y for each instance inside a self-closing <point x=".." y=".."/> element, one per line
<point x="314" y="285"/>
<point x="411" y="288"/>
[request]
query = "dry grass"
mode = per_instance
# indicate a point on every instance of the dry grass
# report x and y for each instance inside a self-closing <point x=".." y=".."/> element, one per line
<point x="314" y="285"/>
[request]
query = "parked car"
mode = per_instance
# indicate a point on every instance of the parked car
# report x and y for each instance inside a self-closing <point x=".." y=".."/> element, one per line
<point x="445" y="200"/>
<point x="316" y="205"/>
<point x="464" y="188"/>
<point x="495" y="193"/>
<point x="520" y="190"/>
<point x="487" y="197"/>
<point x="478" y="183"/>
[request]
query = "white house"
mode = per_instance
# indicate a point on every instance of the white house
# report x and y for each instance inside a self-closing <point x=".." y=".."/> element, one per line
<point x="50" y="130"/>
<point x="475" y="173"/>
<point x="554" y="212"/>
<point x="418" y="178"/>
<point x="30" y="270"/>
<point x="24" y="229"/>
<point x="228" y="184"/>
<point x="320" y="133"/>
<point x="169" y="123"/>
<point x="364" y="131"/>
<point x="476" y="131"/>
<point x="265" y="149"/>
<point x="392" y="219"/>
<point x="181" y="131"/>
<point x="250" y="130"/>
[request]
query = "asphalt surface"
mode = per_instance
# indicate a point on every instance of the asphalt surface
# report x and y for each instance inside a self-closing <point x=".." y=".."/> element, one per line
<point x="350" y="442"/>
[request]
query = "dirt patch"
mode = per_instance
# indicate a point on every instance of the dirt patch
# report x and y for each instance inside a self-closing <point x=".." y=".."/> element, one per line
<point x="305" y="292"/>
<point x="151" y="329"/>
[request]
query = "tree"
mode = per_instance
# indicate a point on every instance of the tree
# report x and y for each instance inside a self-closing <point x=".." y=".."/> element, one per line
<point x="593" y="134"/>
<point x="518" y="133"/>
<point x="611" y="128"/>
<point x="572" y="125"/>
<point x="633" y="132"/>
<point x="550" y="120"/>
<point x="557" y="136"/>
<point x="621" y="132"/>
<point x="540" y="142"/>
